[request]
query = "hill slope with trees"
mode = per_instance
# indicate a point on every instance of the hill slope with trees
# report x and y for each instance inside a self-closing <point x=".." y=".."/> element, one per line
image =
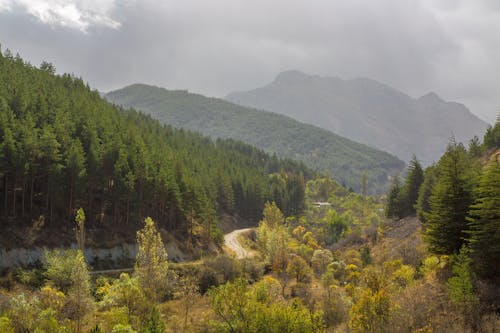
<point x="63" y="147"/>
<point x="318" y="148"/>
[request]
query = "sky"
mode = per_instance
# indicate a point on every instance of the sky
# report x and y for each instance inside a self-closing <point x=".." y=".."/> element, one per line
<point x="214" y="47"/>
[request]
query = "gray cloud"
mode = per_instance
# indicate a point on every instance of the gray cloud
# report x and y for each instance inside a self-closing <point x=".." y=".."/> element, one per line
<point x="218" y="46"/>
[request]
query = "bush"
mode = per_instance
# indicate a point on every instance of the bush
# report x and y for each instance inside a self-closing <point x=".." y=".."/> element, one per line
<point x="225" y="267"/>
<point x="252" y="269"/>
<point x="207" y="278"/>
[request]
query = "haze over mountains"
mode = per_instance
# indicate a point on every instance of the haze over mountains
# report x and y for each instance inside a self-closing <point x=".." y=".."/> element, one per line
<point x="318" y="148"/>
<point x="369" y="112"/>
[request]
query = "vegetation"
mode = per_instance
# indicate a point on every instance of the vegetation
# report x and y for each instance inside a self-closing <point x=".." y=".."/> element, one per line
<point x="62" y="146"/>
<point x="336" y="266"/>
<point x="402" y="199"/>
<point x="320" y="149"/>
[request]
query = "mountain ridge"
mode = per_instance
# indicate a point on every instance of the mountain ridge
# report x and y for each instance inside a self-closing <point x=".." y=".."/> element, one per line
<point x="367" y="111"/>
<point x="344" y="159"/>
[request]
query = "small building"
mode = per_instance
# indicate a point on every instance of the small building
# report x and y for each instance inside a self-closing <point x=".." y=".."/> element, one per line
<point x="320" y="204"/>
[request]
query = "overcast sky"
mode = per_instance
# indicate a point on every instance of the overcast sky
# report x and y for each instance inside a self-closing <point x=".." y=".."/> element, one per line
<point x="214" y="47"/>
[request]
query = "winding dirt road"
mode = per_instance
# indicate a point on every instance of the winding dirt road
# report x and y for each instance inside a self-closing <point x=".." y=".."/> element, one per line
<point x="231" y="240"/>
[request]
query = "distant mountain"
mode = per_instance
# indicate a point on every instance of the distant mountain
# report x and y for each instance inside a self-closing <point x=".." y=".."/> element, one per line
<point x="318" y="148"/>
<point x="368" y="111"/>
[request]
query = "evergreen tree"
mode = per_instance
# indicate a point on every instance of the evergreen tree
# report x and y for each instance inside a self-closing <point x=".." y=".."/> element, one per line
<point x="485" y="222"/>
<point x="475" y="149"/>
<point x="492" y="135"/>
<point x="153" y="324"/>
<point x="423" y="205"/>
<point x="394" y="207"/>
<point x="413" y="181"/>
<point x="446" y="224"/>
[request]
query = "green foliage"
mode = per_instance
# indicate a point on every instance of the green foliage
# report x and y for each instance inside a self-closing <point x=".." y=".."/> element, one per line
<point x="125" y="292"/>
<point x="80" y="228"/>
<point x="413" y="180"/>
<point x="272" y="237"/>
<point x="153" y="324"/>
<point x="461" y="287"/>
<point x="461" y="284"/>
<point x="335" y="227"/>
<point x="320" y="260"/>
<point x="62" y="146"/>
<point x="485" y="222"/>
<point x="80" y="302"/>
<point x="120" y="328"/>
<point x="151" y="265"/>
<point x="373" y="309"/>
<point x="446" y="225"/>
<point x="299" y="269"/>
<point x="403" y="198"/>
<point x="492" y="136"/>
<point x="259" y="310"/>
<point x="366" y="257"/>
<point x="394" y="206"/>
<point x="96" y="329"/>
<point x="319" y="149"/>
<point x="59" y="266"/>
<point x="6" y="325"/>
<point x="23" y="312"/>
<point x="423" y="205"/>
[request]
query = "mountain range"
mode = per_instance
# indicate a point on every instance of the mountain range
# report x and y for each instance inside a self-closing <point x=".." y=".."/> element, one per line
<point x="369" y="112"/>
<point x="318" y="148"/>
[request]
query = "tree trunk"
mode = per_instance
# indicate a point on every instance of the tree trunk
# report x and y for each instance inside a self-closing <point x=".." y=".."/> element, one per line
<point x="128" y="211"/>
<point x="23" y="195"/>
<point x="70" y="206"/>
<point x="31" y="194"/>
<point x="5" y="199"/>
<point x="14" y="196"/>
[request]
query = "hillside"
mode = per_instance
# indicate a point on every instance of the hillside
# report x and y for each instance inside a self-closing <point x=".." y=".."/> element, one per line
<point x="63" y="147"/>
<point x="320" y="149"/>
<point x="367" y="111"/>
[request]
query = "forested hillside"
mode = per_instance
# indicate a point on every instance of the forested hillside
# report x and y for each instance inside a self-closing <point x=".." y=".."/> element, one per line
<point x="63" y="147"/>
<point x="318" y="148"/>
<point x="369" y="112"/>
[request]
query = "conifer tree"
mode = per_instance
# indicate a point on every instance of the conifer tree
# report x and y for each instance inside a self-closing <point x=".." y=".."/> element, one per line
<point x="446" y="224"/>
<point x="394" y="204"/>
<point x="413" y="181"/>
<point x="485" y="222"/>
<point x="423" y="205"/>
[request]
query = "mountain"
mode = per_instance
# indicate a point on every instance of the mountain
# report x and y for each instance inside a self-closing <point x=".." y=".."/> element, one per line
<point x="318" y="148"/>
<point x="368" y="111"/>
<point x="63" y="147"/>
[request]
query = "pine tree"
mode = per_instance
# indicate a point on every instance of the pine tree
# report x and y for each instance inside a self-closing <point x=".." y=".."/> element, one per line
<point x="423" y="205"/>
<point x="151" y="266"/>
<point x="446" y="224"/>
<point x="413" y="181"/>
<point x="394" y="205"/>
<point x="485" y="222"/>
<point x="153" y="324"/>
<point x="492" y="135"/>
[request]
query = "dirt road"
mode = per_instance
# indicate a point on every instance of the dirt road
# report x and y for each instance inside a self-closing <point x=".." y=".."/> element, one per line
<point x="231" y="240"/>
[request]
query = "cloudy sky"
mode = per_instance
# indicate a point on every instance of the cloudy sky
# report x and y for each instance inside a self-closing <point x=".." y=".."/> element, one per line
<point x="451" y="47"/>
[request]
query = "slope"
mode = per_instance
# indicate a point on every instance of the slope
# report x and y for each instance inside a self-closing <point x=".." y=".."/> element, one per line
<point x="63" y="147"/>
<point x="367" y="111"/>
<point x="320" y="149"/>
